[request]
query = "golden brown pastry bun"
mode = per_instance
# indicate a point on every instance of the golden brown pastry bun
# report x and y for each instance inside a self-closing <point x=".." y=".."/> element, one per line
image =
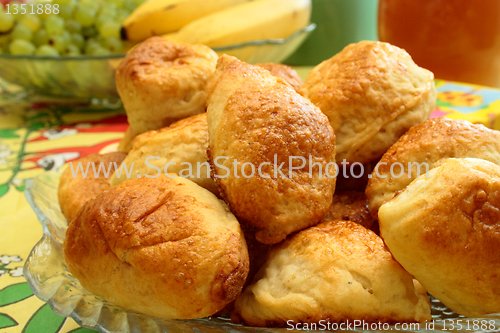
<point x="372" y="93"/>
<point x="428" y="143"/>
<point x="125" y="143"/>
<point x="351" y="206"/>
<point x="259" y="121"/>
<point x="181" y="147"/>
<point x="161" y="81"/>
<point x="335" y="271"/>
<point x="286" y="72"/>
<point x="74" y="192"/>
<point x="445" y="230"/>
<point x="165" y="247"/>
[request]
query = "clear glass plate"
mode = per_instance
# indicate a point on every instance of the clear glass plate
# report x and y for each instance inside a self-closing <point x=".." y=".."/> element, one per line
<point x="94" y="76"/>
<point x="50" y="280"/>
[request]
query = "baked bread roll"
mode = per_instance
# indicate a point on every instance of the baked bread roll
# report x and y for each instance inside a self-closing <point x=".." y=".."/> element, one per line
<point x="161" y="81"/>
<point x="372" y="93"/>
<point x="181" y="148"/>
<point x="164" y="247"/>
<point x="125" y="143"/>
<point x="351" y="206"/>
<point x="424" y="146"/>
<point x="335" y="271"/>
<point x="445" y="231"/>
<point x="263" y="140"/>
<point x="286" y="72"/>
<point x="77" y="187"/>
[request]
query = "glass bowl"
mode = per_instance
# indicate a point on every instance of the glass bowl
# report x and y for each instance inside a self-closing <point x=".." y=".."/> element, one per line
<point x="76" y="76"/>
<point x="94" y="76"/>
<point x="50" y="280"/>
<point x="268" y="50"/>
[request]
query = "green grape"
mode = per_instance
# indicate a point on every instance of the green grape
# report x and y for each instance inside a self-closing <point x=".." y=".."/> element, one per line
<point x="4" y="40"/>
<point x="40" y="37"/>
<point x="72" y="50"/>
<point x="113" y="44"/>
<point x="110" y="29"/>
<point x="90" y="45"/>
<point x="32" y="22"/>
<point x="121" y="15"/>
<point x="46" y="50"/>
<point x="80" y="27"/>
<point x="21" y="32"/>
<point x="108" y="6"/>
<point x="54" y="25"/>
<point x="99" y="51"/>
<point x="108" y="9"/>
<point x="73" y="26"/>
<point x="6" y="21"/>
<point x="118" y="3"/>
<point x="89" y="31"/>
<point x="58" y="42"/>
<point x="129" y="4"/>
<point x="78" y="40"/>
<point x="109" y="13"/>
<point x="99" y="40"/>
<point x="137" y="3"/>
<point x="64" y="2"/>
<point x="94" y="5"/>
<point x="66" y="35"/>
<point x="15" y="7"/>
<point x="21" y="46"/>
<point x="66" y="11"/>
<point x="85" y="15"/>
<point x="101" y="19"/>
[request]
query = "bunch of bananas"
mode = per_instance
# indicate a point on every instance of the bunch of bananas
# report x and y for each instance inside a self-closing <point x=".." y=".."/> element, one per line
<point x="216" y="22"/>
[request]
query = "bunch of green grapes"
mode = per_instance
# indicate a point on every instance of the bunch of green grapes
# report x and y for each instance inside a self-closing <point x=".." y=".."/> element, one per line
<point x="63" y="27"/>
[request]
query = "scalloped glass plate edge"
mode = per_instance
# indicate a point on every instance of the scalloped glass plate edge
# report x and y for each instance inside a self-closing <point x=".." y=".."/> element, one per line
<point x="48" y="277"/>
<point x="51" y="282"/>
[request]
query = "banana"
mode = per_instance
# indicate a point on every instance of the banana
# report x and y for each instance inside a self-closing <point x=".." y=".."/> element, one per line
<point x="157" y="17"/>
<point x="254" y="20"/>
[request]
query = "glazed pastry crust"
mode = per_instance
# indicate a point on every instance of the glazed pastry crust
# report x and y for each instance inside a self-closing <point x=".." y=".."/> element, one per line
<point x="74" y="192"/>
<point x="445" y="230"/>
<point x="164" y="247"/>
<point x="372" y="93"/>
<point x="286" y="72"/>
<point x="256" y="118"/>
<point x="161" y="81"/>
<point x="336" y="271"/>
<point x="184" y="144"/>
<point x="430" y="142"/>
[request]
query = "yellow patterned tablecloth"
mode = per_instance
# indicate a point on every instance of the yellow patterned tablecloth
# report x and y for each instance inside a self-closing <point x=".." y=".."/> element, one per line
<point x="38" y="134"/>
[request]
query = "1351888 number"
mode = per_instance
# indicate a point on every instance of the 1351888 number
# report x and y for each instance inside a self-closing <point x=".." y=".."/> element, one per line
<point x="24" y="8"/>
<point x="468" y="325"/>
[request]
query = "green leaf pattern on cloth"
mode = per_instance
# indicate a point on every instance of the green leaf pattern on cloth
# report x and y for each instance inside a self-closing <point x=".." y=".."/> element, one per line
<point x="15" y="293"/>
<point x="44" y="318"/>
<point x="8" y="133"/>
<point x="82" y="330"/>
<point x="7" y="321"/>
<point x="24" y="119"/>
<point x="4" y="188"/>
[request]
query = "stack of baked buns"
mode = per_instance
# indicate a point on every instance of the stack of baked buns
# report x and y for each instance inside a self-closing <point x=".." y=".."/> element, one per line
<point x="233" y="202"/>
